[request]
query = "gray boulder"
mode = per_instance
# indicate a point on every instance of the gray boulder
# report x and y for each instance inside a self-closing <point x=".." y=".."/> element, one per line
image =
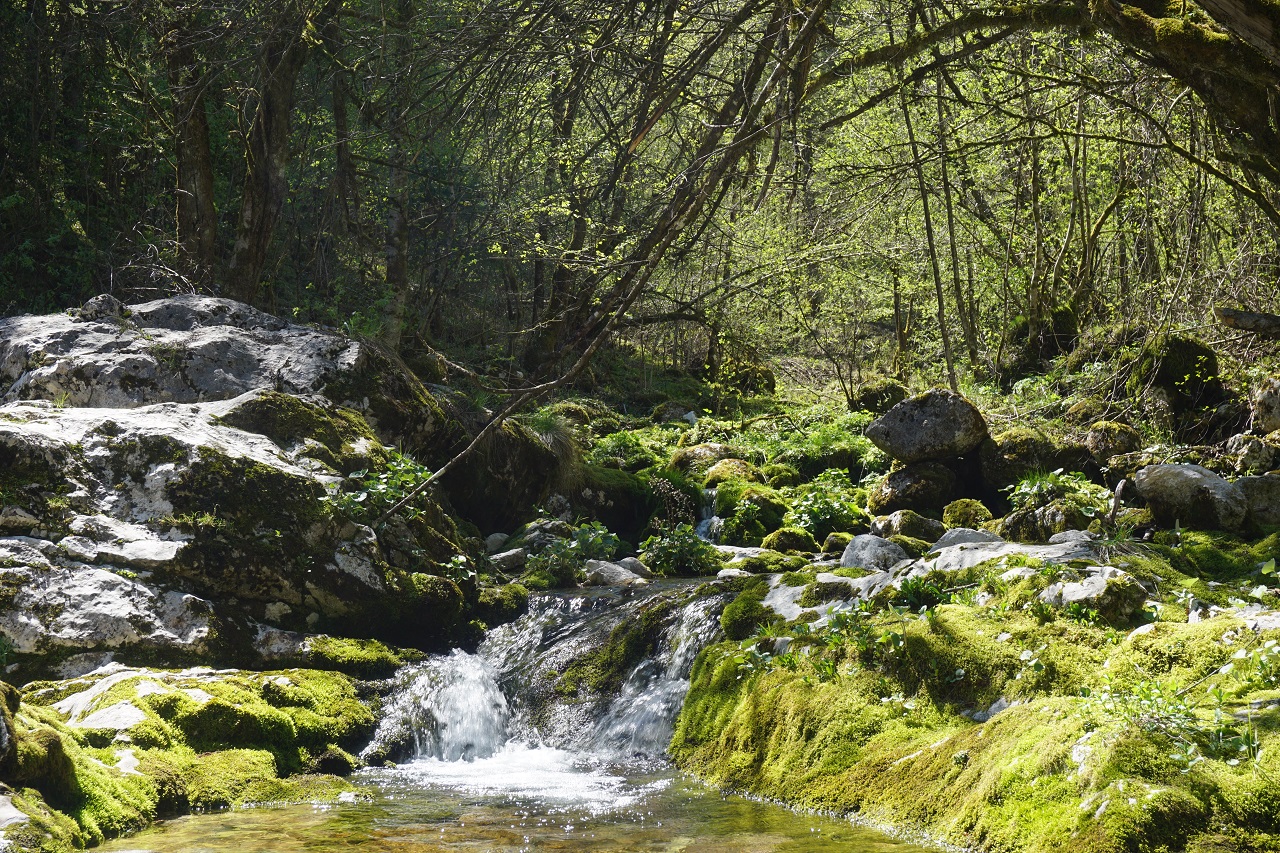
<point x="1252" y="454"/>
<point x="1192" y="496"/>
<point x="871" y="552"/>
<point x="1263" y="496"/>
<point x="1114" y="594"/>
<point x="937" y="424"/>
<point x="964" y="536"/>
<point x="604" y="573"/>
<point x="633" y="565"/>
<point x="918" y="486"/>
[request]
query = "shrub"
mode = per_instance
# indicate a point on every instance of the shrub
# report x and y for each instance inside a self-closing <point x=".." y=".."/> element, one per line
<point x="827" y="505"/>
<point x="680" y="551"/>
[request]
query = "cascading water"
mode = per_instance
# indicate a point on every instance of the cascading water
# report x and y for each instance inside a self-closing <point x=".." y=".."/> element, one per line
<point x="466" y="707"/>
<point x="709" y="524"/>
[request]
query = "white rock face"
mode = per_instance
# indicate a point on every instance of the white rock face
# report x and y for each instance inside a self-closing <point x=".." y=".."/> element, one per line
<point x="185" y="349"/>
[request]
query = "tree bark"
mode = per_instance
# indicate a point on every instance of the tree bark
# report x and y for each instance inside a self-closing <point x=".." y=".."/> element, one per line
<point x="1262" y="325"/>
<point x="196" y="215"/>
<point x="283" y="54"/>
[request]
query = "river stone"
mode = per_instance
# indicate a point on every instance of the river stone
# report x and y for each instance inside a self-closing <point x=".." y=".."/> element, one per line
<point x="604" y="573"/>
<point x="937" y="424"/>
<point x="1264" y="405"/>
<point x="866" y="551"/>
<point x="633" y="565"/>
<point x="905" y="522"/>
<point x="1192" y="496"/>
<point x="1262" y="493"/>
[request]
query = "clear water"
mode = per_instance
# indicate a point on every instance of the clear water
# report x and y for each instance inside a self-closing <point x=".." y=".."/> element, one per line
<point x="519" y="799"/>
<point x="485" y="776"/>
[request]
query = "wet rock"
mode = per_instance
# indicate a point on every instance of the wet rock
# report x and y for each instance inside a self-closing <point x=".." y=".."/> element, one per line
<point x="733" y="573"/>
<point x="919" y="486"/>
<point x="604" y="573"/>
<point x="871" y="552"/>
<point x="937" y="424"/>
<point x="1192" y="496"/>
<point x="904" y="522"/>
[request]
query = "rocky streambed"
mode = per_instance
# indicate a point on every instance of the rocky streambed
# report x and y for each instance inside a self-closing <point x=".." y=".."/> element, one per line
<point x="210" y="596"/>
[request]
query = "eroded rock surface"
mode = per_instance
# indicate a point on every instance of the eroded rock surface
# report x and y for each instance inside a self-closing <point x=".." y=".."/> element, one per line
<point x="937" y="424"/>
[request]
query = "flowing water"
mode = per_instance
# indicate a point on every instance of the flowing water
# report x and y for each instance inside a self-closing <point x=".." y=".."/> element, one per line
<point x="494" y="758"/>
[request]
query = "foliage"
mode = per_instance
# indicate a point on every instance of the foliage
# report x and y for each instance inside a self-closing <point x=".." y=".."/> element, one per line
<point x="560" y="562"/>
<point x="680" y="551"/>
<point x="1074" y="490"/>
<point x="828" y="504"/>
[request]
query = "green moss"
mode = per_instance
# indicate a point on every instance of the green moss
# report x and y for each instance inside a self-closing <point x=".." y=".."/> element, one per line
<point x="965" y="512"/>
<point x="602" y="670"/>
<point x="338" y="437"/>
<point x="360" y="658"/>
<point x="746" y="613"/>
<point x="1183" y="367"/>
<point x="835" y="543"/>
<point x="790" y="539"/>
<point x="501" y="604"/>
<point x="769" y="562"/>
<point x="731" y="469"/>
<point x="914" y="547"/>
<point x="780" y="476"/>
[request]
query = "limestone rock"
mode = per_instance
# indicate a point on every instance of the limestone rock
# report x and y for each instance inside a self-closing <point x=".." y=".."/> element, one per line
<point x="964" y="536"/>
<point x="1264" y="405"/>
<point x="1252" y="454"/>
<point x="1115" y="594"/>
<point x="904" y="522"/>
<point x="919" y="486"/>
<point x="633" y="565"/>
<point x="604" y="573"/>
<point x="937" y="424"/>
<point x="1192" y="496"/>
<point x="871" y="552"/>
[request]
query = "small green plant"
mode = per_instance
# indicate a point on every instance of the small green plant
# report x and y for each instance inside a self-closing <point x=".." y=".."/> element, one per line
<point x="826" y="505"/>
<point x="680" y="551"/>
<point x="1073" y="489"/>
<point x="6" y="649"/>
<point x="378" y="491"/>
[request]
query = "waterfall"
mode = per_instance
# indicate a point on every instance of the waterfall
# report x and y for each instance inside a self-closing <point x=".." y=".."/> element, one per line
<point x="472" y="707"/>
<point x="639" y="721"/>
<point x="709" y="524"/>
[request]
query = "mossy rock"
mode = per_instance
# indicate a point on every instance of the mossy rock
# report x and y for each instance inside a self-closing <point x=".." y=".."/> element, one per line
<point x="921" y="486"/>
<point x="1111" y="438"/>
<point x="771" y="507"/>
<point x="501" y="604"/>
<point x="878" y="395"/>
<point x="835" y="542"/>
<point x="338" y="437"/>
<point x="746" y="374"/>
<point x="771" y="562"/>
<point x="731" y="469"/>
<point x="621" y="501"/>
<point x="1183" y="368"/>
<point x="1032" y="345"/>
<point x="788" y="539"/>
<point x="700" y="457"/>
<point x="498" y="486"/>
<point x="1038" y="524"/>
<point x="780" y="476"/>
<point x="915" y="548"/>
<point x="966" y="512"/>
<point x="1011" y="455"/>
<point x="746" y="612"/>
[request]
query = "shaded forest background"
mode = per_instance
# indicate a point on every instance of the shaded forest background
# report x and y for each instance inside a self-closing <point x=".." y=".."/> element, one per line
<point x="845" y="187"/>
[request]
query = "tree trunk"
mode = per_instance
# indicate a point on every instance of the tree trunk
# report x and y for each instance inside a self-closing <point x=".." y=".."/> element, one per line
<point x="196" y="215"/>
<point x="266" y="181"/>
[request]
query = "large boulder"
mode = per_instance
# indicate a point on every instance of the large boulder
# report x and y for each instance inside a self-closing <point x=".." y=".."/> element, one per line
<point x="1111" y="438"/>
<point x="1192" y="496"/>
<point x="1113" y="594"/>
<point x="919" y="486"/>
<point x="165" y="533"/>
<point x="937" y="424"/>
<point x="904" y="522"/>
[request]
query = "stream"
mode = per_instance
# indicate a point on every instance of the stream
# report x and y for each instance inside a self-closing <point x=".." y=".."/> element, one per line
<point x="493" y="754"/>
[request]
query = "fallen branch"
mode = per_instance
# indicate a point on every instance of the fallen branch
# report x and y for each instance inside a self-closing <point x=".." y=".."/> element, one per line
<point x="1262" y="325"/>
